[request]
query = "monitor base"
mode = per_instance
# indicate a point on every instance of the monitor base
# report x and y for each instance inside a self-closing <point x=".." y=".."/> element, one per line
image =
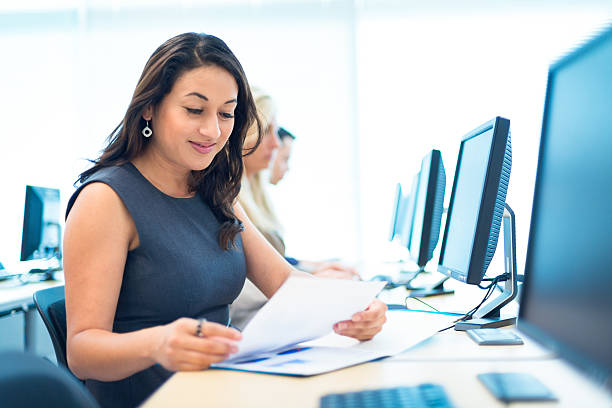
<point x="425" y="292"/>
<point x="484" y="323"/>
<point x="431" y="290"/>
<point x="45" y="274"/>
<point x="404" y="279"/>
<point x="406" y="276"/>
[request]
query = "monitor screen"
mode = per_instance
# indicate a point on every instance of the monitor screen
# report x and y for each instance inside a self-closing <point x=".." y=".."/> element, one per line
<point x="41" y="236"/>
<point x="567" y="298"/>
<point x="397" y="204"/>
<point x="428" y="208"/>
<point x="405" y="228"/>
<point x="477" y="202"/>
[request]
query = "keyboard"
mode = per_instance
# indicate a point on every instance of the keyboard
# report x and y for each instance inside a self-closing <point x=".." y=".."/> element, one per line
<point x="419" y="396"/>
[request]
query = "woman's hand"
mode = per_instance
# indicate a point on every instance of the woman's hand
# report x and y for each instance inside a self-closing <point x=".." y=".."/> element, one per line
<point x="335" y="270"/>
<point x="366" y="324"/>
<point x="180" y="349"/>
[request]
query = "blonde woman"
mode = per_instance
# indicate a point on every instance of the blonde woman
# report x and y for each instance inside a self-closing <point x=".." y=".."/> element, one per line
<point x="256" y="203"/>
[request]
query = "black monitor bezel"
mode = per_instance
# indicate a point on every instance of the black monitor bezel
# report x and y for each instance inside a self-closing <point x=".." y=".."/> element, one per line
<point x="589" y="367"/>
<point x="434" y="159"/>
<point x="30" y="193"/>
<point x="475" y="272"/>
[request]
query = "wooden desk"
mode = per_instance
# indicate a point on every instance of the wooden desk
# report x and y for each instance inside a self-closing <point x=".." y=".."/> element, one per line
<point x="449" y="358"/>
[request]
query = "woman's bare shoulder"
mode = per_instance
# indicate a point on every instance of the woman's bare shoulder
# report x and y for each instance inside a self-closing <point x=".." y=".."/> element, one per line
<point x="97" y="196"/>
<point x="99" y="208"/>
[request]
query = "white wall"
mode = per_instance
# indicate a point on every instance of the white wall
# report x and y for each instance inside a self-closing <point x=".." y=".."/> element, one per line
<point x="367" y="86"/>
<point x="68" y="75"/>
<point x="428" y="75"/>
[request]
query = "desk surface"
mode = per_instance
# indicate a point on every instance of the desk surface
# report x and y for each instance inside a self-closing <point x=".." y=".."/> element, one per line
<point x="221" y="388"/>
<point x="449" y="358"/>
<point x="14" y="295"/>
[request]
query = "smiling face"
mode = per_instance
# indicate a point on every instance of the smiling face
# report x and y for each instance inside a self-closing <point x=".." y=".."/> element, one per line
<point x="193" y="122"/>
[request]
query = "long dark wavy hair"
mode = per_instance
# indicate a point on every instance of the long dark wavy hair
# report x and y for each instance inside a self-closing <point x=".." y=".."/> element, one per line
<point x="219" y="183"/>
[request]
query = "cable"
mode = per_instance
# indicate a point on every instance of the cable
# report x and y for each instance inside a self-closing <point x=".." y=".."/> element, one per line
<point x="494" y="281"/>
<point x="415" y="298"/>
<point x="490" y="288"/>
<point x="470" y="313"/>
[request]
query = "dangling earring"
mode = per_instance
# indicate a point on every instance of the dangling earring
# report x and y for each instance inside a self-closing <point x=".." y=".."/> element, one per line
<point x="147" y="132"/>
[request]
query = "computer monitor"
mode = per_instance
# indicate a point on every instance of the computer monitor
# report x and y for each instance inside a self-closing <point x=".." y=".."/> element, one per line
<point x="41" y="236"/>
<point x="398" y="204"/>
<point x="566" y="302"/>
<point x="428" y="209"/>
<point x="403" y="210"/>
<point x="476" y="208"/>
<point x="405" y="230"/>
<point x="417" y="224"/>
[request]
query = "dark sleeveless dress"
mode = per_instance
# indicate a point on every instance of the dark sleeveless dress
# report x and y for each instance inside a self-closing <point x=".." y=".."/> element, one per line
<point x="178" y="270"/>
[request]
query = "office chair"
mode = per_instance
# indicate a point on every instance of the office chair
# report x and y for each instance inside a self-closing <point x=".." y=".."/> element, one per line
<point x="52" y="308"/>
<point x="27" y="380"/>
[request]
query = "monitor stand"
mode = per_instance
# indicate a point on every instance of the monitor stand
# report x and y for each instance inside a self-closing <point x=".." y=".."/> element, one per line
<point x="406" y="277"/>
<point x="489" y="316"/>
<point x="43" y="274"/>
<point x="431" y="290"/>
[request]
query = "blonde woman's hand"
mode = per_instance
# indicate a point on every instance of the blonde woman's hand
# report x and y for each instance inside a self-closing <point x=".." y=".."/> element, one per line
<point x="336" y="270"/>
<point x="365" y="324"/>
<point x="180" y="349"/>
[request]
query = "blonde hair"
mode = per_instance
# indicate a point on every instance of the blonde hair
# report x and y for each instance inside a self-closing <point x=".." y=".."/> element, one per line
<point x="253" y="196"/>
<point x="266" y="111"/>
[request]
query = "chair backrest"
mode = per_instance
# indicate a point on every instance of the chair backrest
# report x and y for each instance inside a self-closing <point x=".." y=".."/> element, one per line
<point x="27" y="380"/>
<point x="52" y="308"/>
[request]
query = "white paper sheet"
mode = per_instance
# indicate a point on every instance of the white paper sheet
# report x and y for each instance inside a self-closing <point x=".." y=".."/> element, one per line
<point x="403" y="330"/>
<point x="303" y="309"/>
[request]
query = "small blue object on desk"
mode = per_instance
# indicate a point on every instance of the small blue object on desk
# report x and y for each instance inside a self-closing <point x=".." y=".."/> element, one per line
<point x="510" y="387"/>
<point x="420" y="396"/>
<point x="494" y="337"/>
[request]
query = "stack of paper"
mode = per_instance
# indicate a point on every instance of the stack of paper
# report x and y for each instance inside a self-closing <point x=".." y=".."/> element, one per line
<point x="276" y="340"/>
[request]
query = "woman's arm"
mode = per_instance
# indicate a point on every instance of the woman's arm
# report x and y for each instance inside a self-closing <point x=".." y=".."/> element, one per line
<point x="334" y="270"/>
<point x="267" y="269"/>
<point x="99" y="233"/>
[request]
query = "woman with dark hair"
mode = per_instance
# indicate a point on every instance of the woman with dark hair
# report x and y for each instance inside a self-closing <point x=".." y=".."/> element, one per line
<point x="280" y="164"/>
<point x="156" y="247"/>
